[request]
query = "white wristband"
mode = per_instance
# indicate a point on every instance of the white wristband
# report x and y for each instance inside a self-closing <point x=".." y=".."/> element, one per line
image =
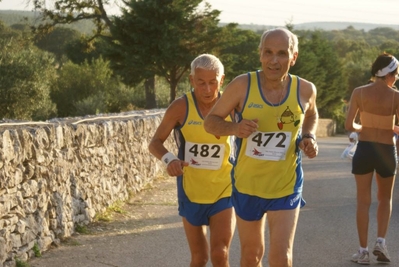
<point x="168" y="158"/>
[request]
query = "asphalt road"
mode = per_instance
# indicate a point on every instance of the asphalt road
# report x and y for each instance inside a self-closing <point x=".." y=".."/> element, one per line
<point x="149" y="233"/>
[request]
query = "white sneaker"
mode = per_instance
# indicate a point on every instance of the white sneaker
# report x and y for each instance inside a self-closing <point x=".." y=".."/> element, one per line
<point x="381" y="252"/>
<point x="361" y="258"/>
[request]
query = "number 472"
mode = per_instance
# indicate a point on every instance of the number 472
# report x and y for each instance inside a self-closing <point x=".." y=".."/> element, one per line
<point x="262" y="139"/>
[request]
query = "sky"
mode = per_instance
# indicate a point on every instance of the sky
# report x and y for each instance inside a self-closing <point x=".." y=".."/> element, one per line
<point x="281" y="12"/>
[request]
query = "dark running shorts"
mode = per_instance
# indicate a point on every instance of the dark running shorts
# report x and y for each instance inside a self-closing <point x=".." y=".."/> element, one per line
<point x="199" y="214"/>
<point x="371" y="156"/>
<point x="252" y="208"/>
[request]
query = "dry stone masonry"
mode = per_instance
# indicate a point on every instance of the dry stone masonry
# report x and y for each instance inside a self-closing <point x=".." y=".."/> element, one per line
<point x="58" y="174"/>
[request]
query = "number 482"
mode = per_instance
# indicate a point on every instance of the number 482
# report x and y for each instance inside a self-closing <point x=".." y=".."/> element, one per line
<point x="205" y="150"/>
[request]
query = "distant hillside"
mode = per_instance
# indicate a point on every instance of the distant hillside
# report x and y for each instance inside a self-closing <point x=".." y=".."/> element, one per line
<point x="327" y="26"/>
<point x="10" y="17"/>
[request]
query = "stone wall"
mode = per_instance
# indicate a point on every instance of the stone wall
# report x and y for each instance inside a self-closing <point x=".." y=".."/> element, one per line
<point x="61" y="173"/>
<point x="326" y="127"/>
<point x="55" y="175"/>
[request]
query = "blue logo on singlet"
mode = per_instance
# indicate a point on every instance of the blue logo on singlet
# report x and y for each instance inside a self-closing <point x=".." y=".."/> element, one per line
<point x="254" y="105"/>
<point x="194" y="122"/>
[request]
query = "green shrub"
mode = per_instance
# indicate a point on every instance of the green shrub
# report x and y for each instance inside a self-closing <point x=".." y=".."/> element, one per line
<point x="36" y="250"/>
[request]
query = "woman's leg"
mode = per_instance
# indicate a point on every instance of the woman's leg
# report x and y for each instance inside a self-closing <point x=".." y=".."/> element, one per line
<point x="363" y="185"/>
<point x="384" y="210"/>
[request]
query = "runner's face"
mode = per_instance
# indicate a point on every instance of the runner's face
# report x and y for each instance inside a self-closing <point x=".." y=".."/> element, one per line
<point x="275" y="56"/>
<point x="206" y="85"/>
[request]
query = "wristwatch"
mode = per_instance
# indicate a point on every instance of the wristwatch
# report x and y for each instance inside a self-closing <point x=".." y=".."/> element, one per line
<point x="309" y="135"/>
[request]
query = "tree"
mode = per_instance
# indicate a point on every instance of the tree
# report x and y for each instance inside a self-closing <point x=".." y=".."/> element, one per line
<point x="79" y="51"/>
<point x="87" y="89"/>
<point x="9" y="33"/>
<point x="161" y="38"/>
<point x="26" y="75"/>
<point x="57" y="41"/>
<point x="71" y="11"/>
<point x="357" y="66"/>
<point x="152" y="38"/>
<point x="21" y="27"/>
<point x="64" y="12"/>
<point x="239" y="51"/>
<point x="319" y="63"/>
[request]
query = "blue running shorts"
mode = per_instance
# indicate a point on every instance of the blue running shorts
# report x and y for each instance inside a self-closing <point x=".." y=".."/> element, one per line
<point x="199" y="214"/>
<point x="252" y="208"/>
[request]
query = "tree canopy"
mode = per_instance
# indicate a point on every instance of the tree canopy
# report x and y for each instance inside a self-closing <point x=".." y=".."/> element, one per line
<point x="26" y="75"/>
<point x="164" y="36"/>
<point x="150" y="47"/>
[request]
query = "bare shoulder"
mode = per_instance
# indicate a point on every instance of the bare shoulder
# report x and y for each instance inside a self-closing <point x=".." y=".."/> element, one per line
<point x="176" y="111"/>
<point x="359" y="88"/>
<point x="232" y="97"/>
<point x="307" y="88"/>
<point x="234" y="93"/>
<point x="238" y="83"/>
<point x="356" y="92"/>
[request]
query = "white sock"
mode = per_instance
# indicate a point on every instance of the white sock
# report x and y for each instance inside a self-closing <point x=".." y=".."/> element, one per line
<point x="363" y="249"/>
<point x="381" y="240"/>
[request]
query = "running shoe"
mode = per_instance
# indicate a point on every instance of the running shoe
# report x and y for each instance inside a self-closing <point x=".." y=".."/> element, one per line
<point x="381" y="252"/>
<point x="361" y="258"/>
